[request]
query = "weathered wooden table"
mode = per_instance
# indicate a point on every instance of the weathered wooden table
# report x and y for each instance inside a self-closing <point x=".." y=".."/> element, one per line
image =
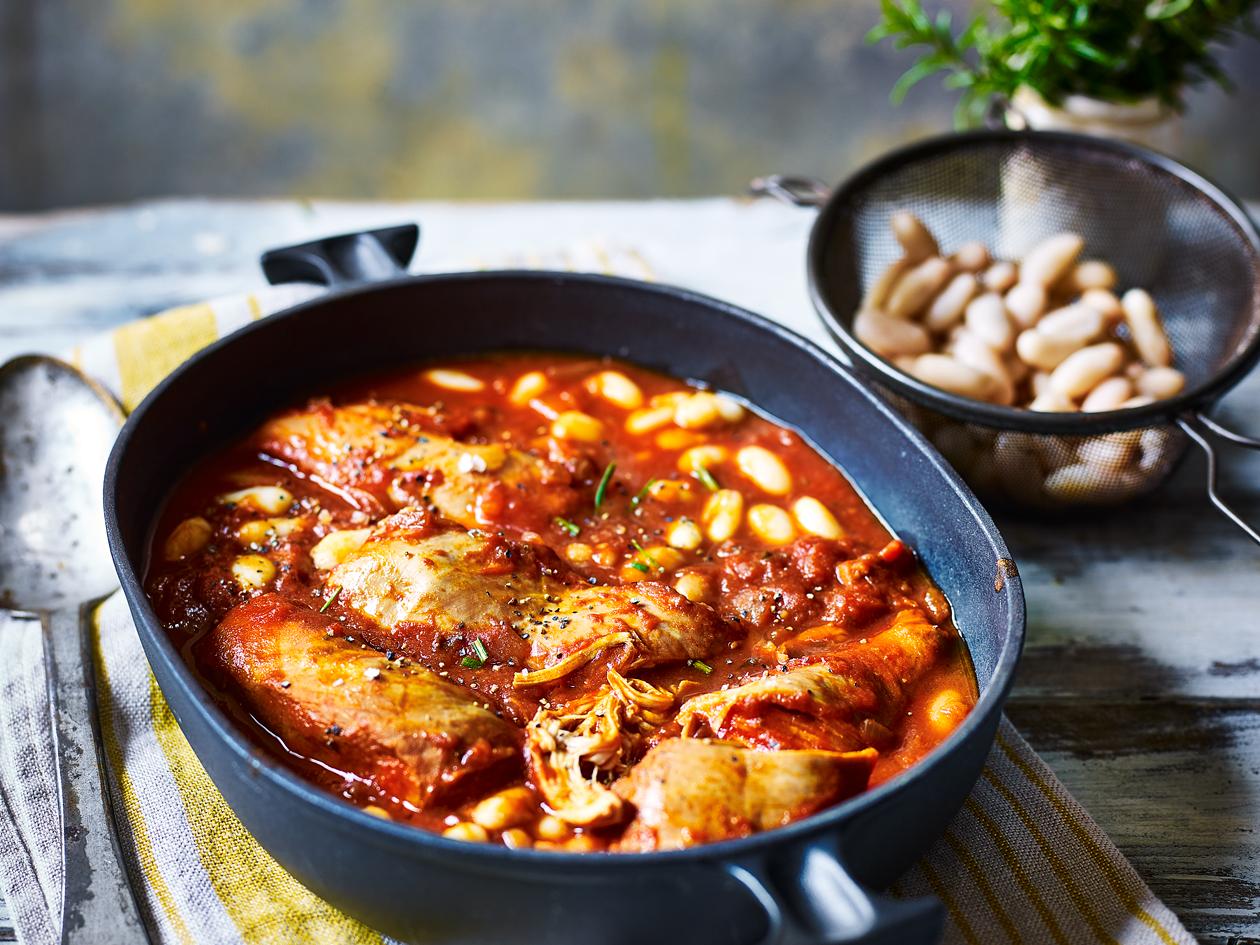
<point x="1140" y="684"/>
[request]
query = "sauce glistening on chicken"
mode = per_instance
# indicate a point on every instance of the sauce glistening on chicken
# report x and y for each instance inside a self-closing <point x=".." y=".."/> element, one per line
<point x="544" y="601"/>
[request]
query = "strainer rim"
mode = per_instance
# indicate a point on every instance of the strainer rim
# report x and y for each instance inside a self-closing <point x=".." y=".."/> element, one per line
<point x="1199" y="397"/>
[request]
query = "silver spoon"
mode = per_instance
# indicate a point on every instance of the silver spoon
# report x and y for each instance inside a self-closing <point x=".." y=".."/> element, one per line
<point x="56" y="431"/>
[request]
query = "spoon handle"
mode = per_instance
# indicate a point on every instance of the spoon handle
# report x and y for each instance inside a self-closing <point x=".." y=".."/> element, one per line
<point x="98" y="905"/>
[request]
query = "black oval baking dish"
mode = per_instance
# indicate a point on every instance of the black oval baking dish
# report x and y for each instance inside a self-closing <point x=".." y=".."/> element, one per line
<point x="806" y="882"/>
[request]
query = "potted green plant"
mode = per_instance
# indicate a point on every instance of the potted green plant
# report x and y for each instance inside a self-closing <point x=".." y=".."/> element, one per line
<point x="1113" y="67"/>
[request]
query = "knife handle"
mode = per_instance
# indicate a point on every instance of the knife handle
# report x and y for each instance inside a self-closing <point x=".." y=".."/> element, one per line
<point x="98" y="905"/>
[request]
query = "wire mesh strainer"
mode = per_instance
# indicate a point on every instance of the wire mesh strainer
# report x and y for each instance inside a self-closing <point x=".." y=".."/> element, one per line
<point x="1162" y="226"/>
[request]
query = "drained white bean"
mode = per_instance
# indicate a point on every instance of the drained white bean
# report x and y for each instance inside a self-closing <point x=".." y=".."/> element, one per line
<point x="1108" y="395"/>
<point x="1161" y="382"/>
<point x="916" y="239"/>
<point x="1082" y="371"/>
<point x="1078" y="324"/>
<point x="950" y="374"/>
<point x="972" y="351"/>
<point x="947" y="308"/>
<point x="1000" y="276"/>
<point x="1091" y="274"/>
<point x="1148" y="334"/>
<point x="986" y="316"/>
<point x="917" y="288"/>
<point x="1110" y="454"/>
<point x="1041" y="351"/>
<point x="1051" y="401"/>
<point x="1051" y="258"/>
<point x="972" y="256"/>
<point x="877" y="295"/>
<point x="1105" y="301"/>
<point x="1026" y="303"/>
<point x="890" y="337"/>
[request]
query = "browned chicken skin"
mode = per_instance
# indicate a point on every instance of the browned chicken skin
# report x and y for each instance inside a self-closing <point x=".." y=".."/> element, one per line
<point x="415" y="580"/>
<point x="689" y="791"/>
<point x="387" y="456"/>
<point x="415" y="736"/>
<point x="829" y="704"/>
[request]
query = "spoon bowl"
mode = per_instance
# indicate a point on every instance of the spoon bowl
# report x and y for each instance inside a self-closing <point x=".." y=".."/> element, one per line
<point x="56" y="431"/>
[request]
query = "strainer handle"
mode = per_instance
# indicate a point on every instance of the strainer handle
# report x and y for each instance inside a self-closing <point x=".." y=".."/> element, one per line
<point x="793" y="189"/>
<point x="1205" y="432"/>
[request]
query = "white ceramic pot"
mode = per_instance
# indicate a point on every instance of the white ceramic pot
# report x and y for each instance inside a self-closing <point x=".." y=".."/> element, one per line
<point x="1148" y="122"/>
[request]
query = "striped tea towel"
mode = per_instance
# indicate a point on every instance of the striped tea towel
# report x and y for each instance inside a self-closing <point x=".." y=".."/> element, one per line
<point x="1023" y="862"/>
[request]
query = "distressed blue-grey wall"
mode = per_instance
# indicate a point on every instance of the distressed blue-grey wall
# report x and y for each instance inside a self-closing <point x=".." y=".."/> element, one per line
<point x="105" y="100"/>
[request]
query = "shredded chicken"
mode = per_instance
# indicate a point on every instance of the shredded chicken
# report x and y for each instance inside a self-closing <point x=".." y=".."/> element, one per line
<point x="576" y="749"/>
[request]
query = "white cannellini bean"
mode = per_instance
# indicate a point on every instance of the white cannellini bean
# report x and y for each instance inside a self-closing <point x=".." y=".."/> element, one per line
<point x="692" y="586"/>
<point x="1148" y="334"/>
<point x="528" y="386"/>
<point x="336" y="547"/>
<point x="765" y="469"/>
<point x="1000" y="276"/>
<point x="1091" y="274"/>
<point x="1161" y="382"/>
<point x="253" y="571"/>
<point x="1105" y="301"/>
<point x="1077" y="324"/>
<point x="1084" y="482"/>
<point x="1051" y="401"/>
<point x="1108" y="395"/>
<point x="915" y="238"/>
<point x="454" y="380"/>
<point x="815" y="518"/>
<point x="698" y="411"/>
<point x="263" y="530"/>
<point x="649" y="419"/>
<point x="187" y="538"/>
<point x="616" y="388"/>
<point x="1081" y="371"/>
<point x="972" y="351"/>
<point x="972" y="256"/>
<point x="578" y="426"/>
<point x="1109" y="453"/>
<point x="986" y="316"/>
<point x="1026" y="303"/>
<point x="732" y="410"/>
<point x="505" y="809"/>
<point x="684" y="534"/>
<point x="271" y="500"/>
<point x="708" y="456"/>
<point x="917" y="287"/>
<point x="950" y="374"/>
<point x="1040" y="382"/>
<point x="947" y="308"/>
<point x="1041" y="351"/>
<point x="890" y="337"/>
<point x="876" y="297"/>
<point x="1141" y="400"/>
<point x="1051" y="258"/>
<point x="771" y="524"/>
<point x="722" y="514"/>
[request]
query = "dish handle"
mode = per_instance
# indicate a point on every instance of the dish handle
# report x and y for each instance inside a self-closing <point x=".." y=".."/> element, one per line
<point x="1207" y="433"/>
<point x="792" y="189"/>
<point x="346" y="259"/>
<point x="817" y="902"/>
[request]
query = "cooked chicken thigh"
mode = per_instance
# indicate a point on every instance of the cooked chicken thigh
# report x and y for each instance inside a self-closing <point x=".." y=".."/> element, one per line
<point x="689" y="791"/>
<point x="415" y="736"/>
<point x="823" y="705"/>
<point x="422" y="583"/>
<point x="385" y="457"/>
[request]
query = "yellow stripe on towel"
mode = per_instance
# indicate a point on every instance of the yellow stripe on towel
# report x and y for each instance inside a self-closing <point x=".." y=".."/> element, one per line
<point x="131" y="803"/>
<point x="265" y="903"/>
<point x="149" y="349"/>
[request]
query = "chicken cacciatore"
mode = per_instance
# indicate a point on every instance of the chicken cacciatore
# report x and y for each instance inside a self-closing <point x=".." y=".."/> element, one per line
<point x="561" y="603"/>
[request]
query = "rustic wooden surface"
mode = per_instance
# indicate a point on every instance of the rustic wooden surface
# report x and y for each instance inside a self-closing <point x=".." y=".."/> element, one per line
<point x="1140" y="684"/>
